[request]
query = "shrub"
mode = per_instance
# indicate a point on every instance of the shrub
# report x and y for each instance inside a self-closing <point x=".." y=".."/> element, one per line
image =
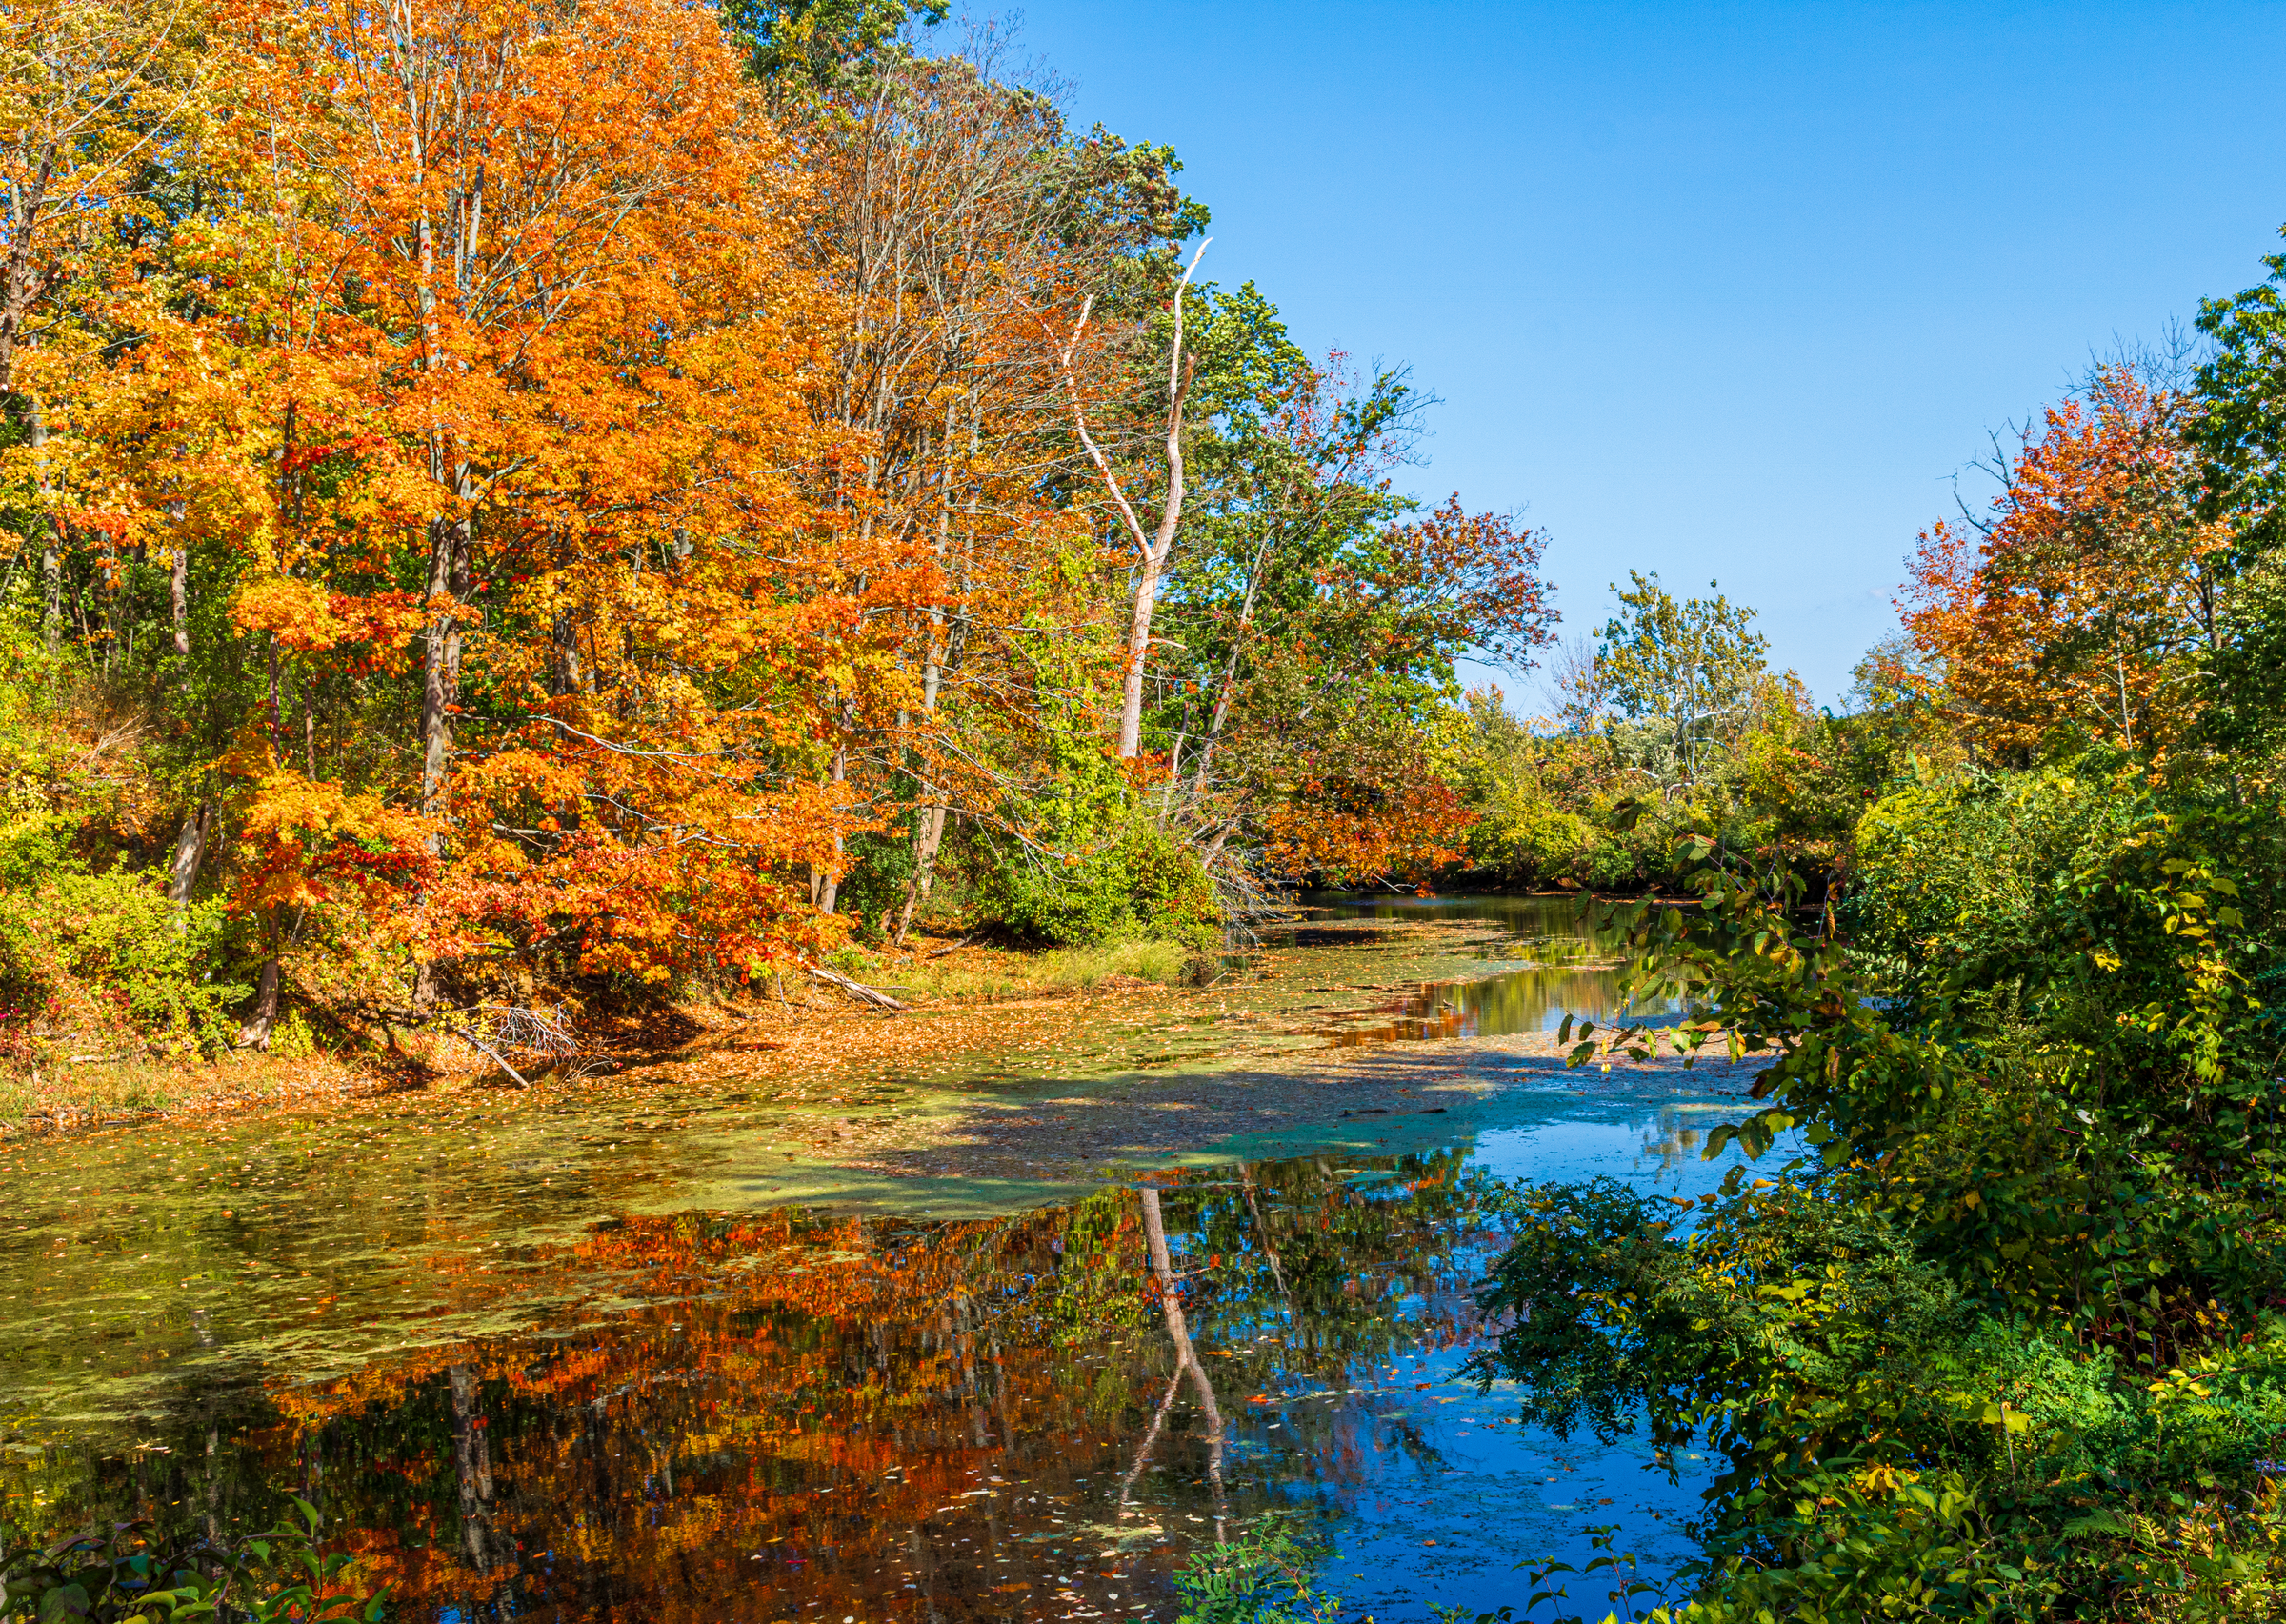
<point x="2012" y="1348"/>
<point x="1137" y="882"/>
<point x="1266" y="1576"/>
<point x="1939" y="863"/>
<point x="1527" y="841"/>
<point x="131" y="1575"/>
<point x="108" y="952"/>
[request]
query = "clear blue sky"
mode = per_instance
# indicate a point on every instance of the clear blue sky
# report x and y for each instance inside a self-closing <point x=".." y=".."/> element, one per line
<point x="1724" y="291"/>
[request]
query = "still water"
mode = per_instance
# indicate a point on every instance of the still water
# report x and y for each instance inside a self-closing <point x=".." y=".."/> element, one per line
<point x="526" y="1372"/>
<point x="1546" y="963"/>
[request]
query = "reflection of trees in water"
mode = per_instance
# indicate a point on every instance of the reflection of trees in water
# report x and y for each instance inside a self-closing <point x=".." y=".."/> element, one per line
<point x="1667" y="1139"/>
<point x="867" y="1405"/>
<point x="1186" y="1362"/>
<point x="472" y="1468"/>
<point x="1571" y="969"/>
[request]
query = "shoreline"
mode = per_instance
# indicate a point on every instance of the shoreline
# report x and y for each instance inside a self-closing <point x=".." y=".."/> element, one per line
<point x="1059" y="1082"/>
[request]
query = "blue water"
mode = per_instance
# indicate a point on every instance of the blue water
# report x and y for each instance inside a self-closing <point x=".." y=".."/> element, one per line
<point x="518" y="1393"/>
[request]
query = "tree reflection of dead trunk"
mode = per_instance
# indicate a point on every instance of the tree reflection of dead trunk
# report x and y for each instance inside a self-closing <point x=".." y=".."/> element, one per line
<point x="965" y="1362"/>
<point x="473" y="1466"/>
<point x="1150" y="1436"/>
<point x="1162" y="1269"/>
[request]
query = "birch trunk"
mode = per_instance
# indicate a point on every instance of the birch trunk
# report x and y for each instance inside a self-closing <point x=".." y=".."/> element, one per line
<point x="1153" y="547"/>
<point x="190" y="854"/>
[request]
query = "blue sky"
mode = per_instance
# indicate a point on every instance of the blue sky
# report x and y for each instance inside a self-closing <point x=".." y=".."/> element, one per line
<point x="1723" y="292"/>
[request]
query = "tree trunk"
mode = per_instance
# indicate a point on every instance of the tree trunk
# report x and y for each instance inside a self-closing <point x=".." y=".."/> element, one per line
<point x="277" y="704"/>
<point x="1138" y="651"/>
<point x="1158" y="549"/>
<point x="929" y="831"/>
<point x="826" y="884"/>
<point x="179" y="588"/>
<point x="189" y="854"/>
<point x="1153" y="549"/>
<point x="567" y="676"/>
<point x="929" y="837"/>
<point x="20" y="285"/>
<point x="450" y="547"/>
<point x="51" y="585"/>
<point x="51" y="556"/>
<point x="254" y="1034"/>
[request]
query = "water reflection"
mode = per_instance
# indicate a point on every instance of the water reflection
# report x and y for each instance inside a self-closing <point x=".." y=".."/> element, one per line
<point x="799" y="1417"/>
<point x="821" y="1416"/>
<point x="521" y="1383"/>
<point x="1568" y="968"/>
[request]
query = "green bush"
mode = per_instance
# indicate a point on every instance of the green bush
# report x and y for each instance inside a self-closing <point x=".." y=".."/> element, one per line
<point x="2010" y="1344"/>
<point x="108" y="950"/>
<point x="1266" y="1576"/>
<point x="1893" y="1450"/>
<point x="1136" y="882"/>
<point x="131" y="1574"/>
<point x="881" y="867"/>
<point x="1527" y="841"/>
<point x="1942" y="866"/>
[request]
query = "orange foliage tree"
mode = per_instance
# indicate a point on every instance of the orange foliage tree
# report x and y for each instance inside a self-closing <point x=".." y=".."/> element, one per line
<point x="493" y="377"/>
<point x="2081" y="606"/>
<point x="638" y="507"/>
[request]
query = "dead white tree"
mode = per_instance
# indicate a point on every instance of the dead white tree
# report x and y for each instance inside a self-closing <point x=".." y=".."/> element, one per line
<point x="1153" y="547"/>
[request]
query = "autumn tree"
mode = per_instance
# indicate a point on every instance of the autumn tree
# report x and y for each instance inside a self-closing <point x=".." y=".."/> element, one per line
<point x="962" y="224"/>
<point x="553" y="501"/>
<point x="1315" y="617"/>
<point x="481" y="372"/>
<point x="1152" y="540"/>
<point x="2085" y="602"/>
<point x="97" y="103"/>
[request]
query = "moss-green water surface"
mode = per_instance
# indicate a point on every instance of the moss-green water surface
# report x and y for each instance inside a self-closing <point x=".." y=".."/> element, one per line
<point x="582" y="1360"/>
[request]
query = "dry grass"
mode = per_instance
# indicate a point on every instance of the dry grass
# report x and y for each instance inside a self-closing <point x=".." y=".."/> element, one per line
<point x="65" y="1096"/>
<point x="976" y="975"/>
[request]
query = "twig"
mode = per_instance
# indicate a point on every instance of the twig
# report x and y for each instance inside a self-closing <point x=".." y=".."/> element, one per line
<point x="939" y="952"/>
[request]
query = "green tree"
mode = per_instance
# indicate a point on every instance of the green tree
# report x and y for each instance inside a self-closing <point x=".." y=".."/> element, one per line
<point x="2241" y="436"/>
<point x="816" y="45"/>
<point x="1692" y="666"/>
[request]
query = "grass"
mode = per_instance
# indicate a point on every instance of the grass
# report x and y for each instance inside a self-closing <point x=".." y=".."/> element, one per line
<point x="63" y="1094"/>
<point x="59" y="1095"/>
<point x="984" y="975"/>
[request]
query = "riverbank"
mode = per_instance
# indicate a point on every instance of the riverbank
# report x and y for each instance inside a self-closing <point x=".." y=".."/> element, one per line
<point x="892" y="1263"/>
<point x="76" y="1093"/>
<point x="1003" y="1067"/>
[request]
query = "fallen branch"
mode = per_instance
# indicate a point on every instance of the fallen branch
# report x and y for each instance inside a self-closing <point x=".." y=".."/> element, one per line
<point x="475" y="1042"/>
<point x="939" y="952"/>
<point x="855" y="989"/>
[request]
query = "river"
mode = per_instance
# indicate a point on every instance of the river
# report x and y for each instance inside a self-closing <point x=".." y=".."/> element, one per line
<point x="564" y="1363"/>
